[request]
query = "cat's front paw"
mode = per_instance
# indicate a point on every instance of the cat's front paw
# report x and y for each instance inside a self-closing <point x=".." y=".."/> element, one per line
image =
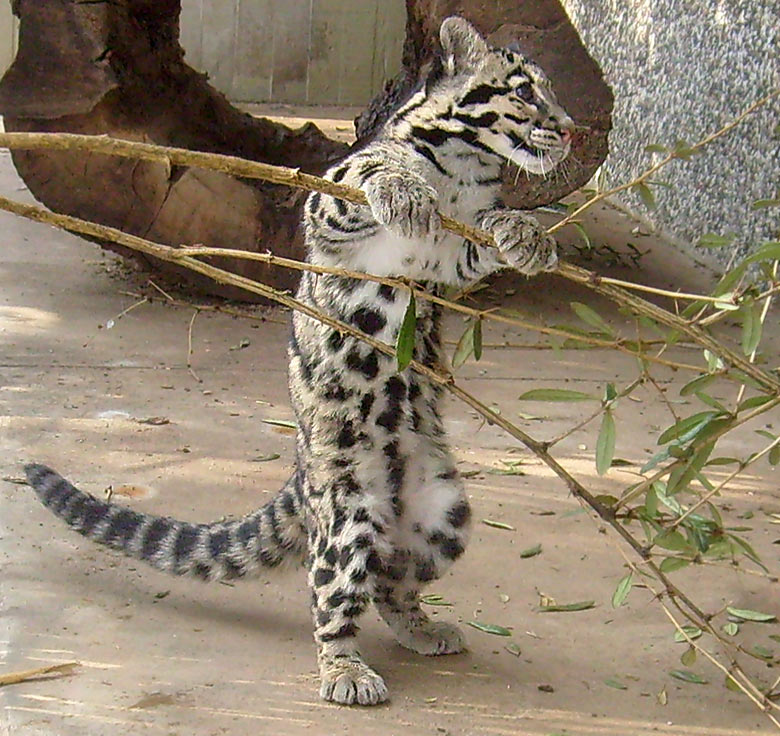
<point x="403" y="204"/>
<point x="523" y="242"/>
<point x="433" y="638"/>
<point x="350" y="681"/>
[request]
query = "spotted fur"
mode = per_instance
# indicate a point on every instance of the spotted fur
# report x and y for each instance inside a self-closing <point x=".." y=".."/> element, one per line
<point x="376" y="505"/>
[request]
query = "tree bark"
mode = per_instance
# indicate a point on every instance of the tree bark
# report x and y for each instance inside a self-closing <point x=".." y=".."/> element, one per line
<point x="117" y="68"/>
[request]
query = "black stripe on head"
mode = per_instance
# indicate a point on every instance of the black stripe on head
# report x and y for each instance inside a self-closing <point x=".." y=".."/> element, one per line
<point x="425" y="151"/>
<point x="483" y="121"/>
<point x="482" y="94"/>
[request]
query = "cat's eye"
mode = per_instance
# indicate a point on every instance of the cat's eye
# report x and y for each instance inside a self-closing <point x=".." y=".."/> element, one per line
<point x="526" y="92"/>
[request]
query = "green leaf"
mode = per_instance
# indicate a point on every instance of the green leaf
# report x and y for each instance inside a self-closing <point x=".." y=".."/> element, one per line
<point x="567" y="607"/>
<point x="751" y="327"/>
<point x="713" y="240"/>
<point x="710" y="401"/>
<point x="763" y="652"/>
<point x="687" y="428"/>
<point x="434" y="599"/>
<point x="697" y="384"/>
<point x="281" y="423"/>
<point x="498" y="524"/>
<point x="645" y="194"/>
<point x="605" y="444"/>
<point x="583" y="234"/>
<point x="688" y="657"/>
<point x="610" y="392"/>
<point x="670" y="564"/>
<point x="490" y="628"/>
<point x="478" y="339"/>
<point x="693" y="632"/>
<point x="761" y="204"/>
<point x="465" y="346"/>
<point x="731" y="628"/>
<point x="682" y="475"/>
<point x="513" y="648"/>
<point x="531" y="551"/>
<point x="747" y="615"/>
<point x="656" y="148"/>
<point x="673" y="541"/>
<point x="688" y="676"/>
<point x="612" y="682"/>
<point x="774" y="455"/>
<point x="769" y="251"/>
<point x="754" y="402"/>
<point x="404" y="346"/>
<point x="555" y="394"/>
<point x="591" y="317"/>
<point x="622" y="590"/>
<point x="731" y="684"/>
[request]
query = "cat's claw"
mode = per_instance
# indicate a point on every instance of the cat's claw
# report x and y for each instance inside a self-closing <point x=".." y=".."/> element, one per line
<point x="403" y="204"/>
<point x="522" y="241"/>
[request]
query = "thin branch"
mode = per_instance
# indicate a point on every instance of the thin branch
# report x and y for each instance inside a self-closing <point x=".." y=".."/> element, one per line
<point x="195" y="313"/>
<point x="713" y="492"/>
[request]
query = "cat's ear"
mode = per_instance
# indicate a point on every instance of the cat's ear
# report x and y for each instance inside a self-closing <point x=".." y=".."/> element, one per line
<point x="463" y="48"/>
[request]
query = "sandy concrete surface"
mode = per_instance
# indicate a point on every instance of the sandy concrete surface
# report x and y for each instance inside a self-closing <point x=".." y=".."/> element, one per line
<point x="159" y="655"/>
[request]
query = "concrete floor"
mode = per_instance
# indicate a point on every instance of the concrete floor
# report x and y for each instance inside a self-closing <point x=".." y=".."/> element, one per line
<point x="168" y="656"/>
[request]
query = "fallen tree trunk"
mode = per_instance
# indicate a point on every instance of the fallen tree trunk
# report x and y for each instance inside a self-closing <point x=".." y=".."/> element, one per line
<point x="117" y="69"/>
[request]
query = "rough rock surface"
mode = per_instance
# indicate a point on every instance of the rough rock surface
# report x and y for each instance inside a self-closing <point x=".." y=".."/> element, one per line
<point x="681" y="70"/>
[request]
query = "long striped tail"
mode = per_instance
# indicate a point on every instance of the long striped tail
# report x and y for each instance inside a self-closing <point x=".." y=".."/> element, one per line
<point x="222" y="550"/>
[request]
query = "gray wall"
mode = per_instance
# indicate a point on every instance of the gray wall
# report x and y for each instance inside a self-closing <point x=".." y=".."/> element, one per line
<point x="680" y="69"/>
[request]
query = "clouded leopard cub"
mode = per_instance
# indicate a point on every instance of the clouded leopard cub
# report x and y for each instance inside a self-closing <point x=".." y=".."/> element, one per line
<point x="375" y="505"/>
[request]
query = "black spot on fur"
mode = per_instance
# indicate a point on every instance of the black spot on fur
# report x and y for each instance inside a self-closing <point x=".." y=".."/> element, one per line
<point x="337" y="599"/>
<point x="347" y="630"/>
<point x="362" y="541"/>
<point x="368" y="365"/>
<point x="366" y="403"/>
<point x="346" y="437"/>
<point x="330" y="556"/>
<point x="322" y="576"/>
<point x="361" y="516"/>
<point x="425" y="570"/>
<point x="335" y="341"/>
<point x="373" y="562"/>
<point x="459" y="514"/>
<point x="359" y="575"/>
<point x="339" y="519"/>
<point x="354" y="610"/>
<point x="387" y="293"/>
<point x="368" y="320"/>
